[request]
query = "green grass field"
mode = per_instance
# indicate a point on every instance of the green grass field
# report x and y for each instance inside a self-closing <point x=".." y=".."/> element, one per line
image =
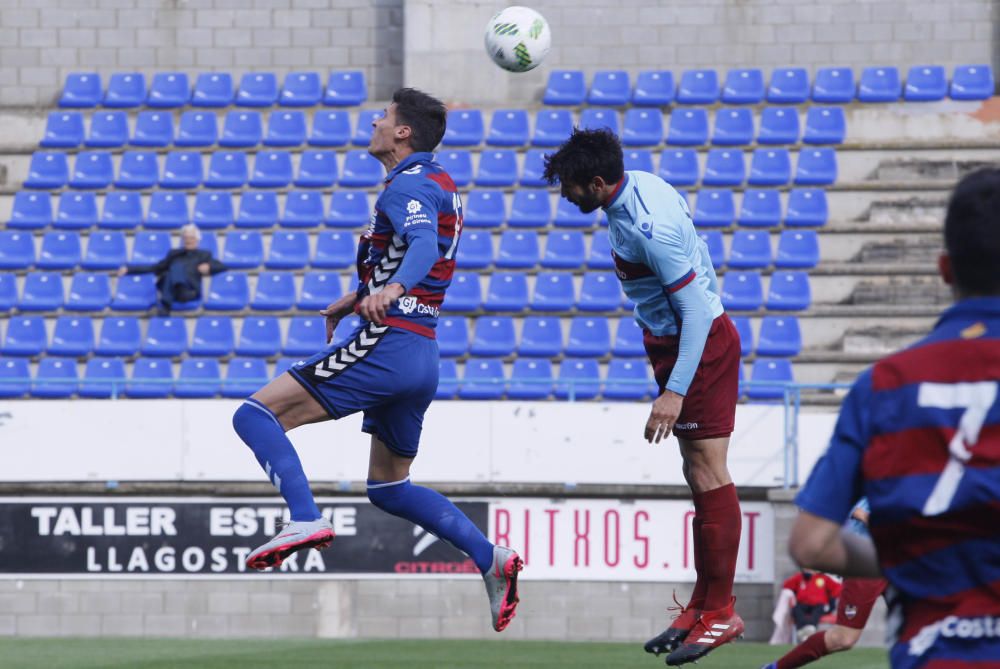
<point x="279" y="654"/>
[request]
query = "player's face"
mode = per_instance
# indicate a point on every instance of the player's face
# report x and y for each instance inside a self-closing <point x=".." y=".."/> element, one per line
<point x="383" y="132"/>
<point x="584" y="197"/>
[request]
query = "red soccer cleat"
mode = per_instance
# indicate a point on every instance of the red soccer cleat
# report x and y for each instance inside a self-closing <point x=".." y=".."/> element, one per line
<point x="674" y="635"/>
<point x="711" y="630"/>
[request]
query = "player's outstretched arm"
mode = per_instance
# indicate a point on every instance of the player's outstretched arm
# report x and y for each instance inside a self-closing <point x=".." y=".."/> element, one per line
<point x="821" y="544"/>
<point x="337" y="311"/>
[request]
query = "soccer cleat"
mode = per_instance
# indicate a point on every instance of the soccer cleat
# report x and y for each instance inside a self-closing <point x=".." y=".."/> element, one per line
<point x="672" y="637"/>
<point x="294" y="536"/>
<point x="501" y="585"/>
<point x="770" y="665"/>
<point x="711" y="630"/>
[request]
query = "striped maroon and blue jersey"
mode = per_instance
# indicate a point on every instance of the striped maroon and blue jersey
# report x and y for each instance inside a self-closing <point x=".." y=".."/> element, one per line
<point x="919" y="436"/>
<point x="418" y="194"/>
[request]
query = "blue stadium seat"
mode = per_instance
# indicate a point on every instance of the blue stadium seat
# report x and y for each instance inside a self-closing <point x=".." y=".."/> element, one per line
<point x="578" y="379"/>
<point x="529" y="209"/>
<point x="458" y="165"/>
<point x="105" y="250"/>
<point x="476" y="250"/>
<point x="169" y="89"/>
<point x="464" y="294"/>
<point x="17" y="249"/>
<point x="770" y="167"/>
<point x="119" y="336"/>
<point x="92" y="170"/>
<point x="639" y="159"/>
<point x="789" y="291"/>
<point x="289" y="250"/>
<point x="55" y="378"/>
<point x="345" y="89"/>
<point x="745" y="331"/>
<point x="653" y="88"/>
<point x="89" y="291"/>
<point x="508" y="127"/>
<point x="257" y="89"/>
<point x="716" y="248"/>
<point x="213" y="336"/>
<point x="750" y="250"/>
<point x="541" y="337"/>
<point x="60" y="250"/>
<point x="42" y="291"/>
<point x="213" y="210"/>
<point x="8" y="291"/>
<point x="743" y="87"/>
<point x="797" y="249"/>
<point x="761" y="208"/>
<point x="360" y="170"/>
<point x="879" y="84"/>
<point x="742" y="291"/>
<point x="151" y="379"/>
<point x="125" y="89"/>
<point x="778" y="125"/>
<point x="563" y="250"/>
<point x="926" y="83"/>
<point x="244" y="377"/>
<point x="154" y="129"/>
<point x="484" y="208"/>
<point x="213" y="89"/>
<point x="698" y="87"/>
<point x="807" y="207"/>
<point x="518" y="249"/>
<point x="166" y="337"/>
<point x="464" y="128"/>
<point x="453" y="336"/>
<point x="275" y="292"/>
<point x="533" y="169"/>
<point x="48" y="169"/>
<point x="122" y="211"/>
<point x="816" y="167"/>
<point x="600" y="291"/>
<point x="772" y="372"/>
<point x="496" y="168"/>
<point x="610" y="88"/>
<point x="530" y="380"/>
<point x="348" y="210"/>
<point x="301" y="89"/>
<point x="679" y="167"/>
<point x="627" y="380"/>
<point x="588" y="337"/>
<point x="167" y="211"/>
<point x="568" y="215"/>
<point x="789" y="86"/>
<point x="228" y="291"/>
<point x="182" y="169"/>
<point x="554" y="291"/>
<point x="447" y="380"/>
<point x="209" y="242"/>
<point x="227" y="169"/>
<point x="286" y="128"/>
<point x="825" y="125"/>
<point x="594" y="119"/>
<point x="81" y="90"/>
<point x="600" y="251"/>
<point x="303" y="209"/>
<point x="25" y="336"/>
<point x="271" y="169"/>
<point x="30" y="211"/>
<point x="306" y="335"/>
<point x="198" y="377"/>
<point x="779" y="336"/>
<point x="507" y="291"/>
<point x="317" y="169"/>
<point x="724" y="167"/>
<point x="363" y="127"/>
<point x="733" y="127"/>
<point x="319" y="289"/>
<point x="102" y="378"/>
<point x="552" y="127"/>
<point x="72" y="336"/>
<point x="833" y="85"/>
<point x="197" y="128"/>
<point x="565" y="87"/>
<point x="714" y="208"/>
<point x="493" y="336"/>
<point x="688" y="127"/>
<point x="242" y="128"/>
<point x="138" y="170"/>
<point x="258" y="209"/>
<point x="134" y="292"/>
<point x="972" y="82"/>
<point x="483" y="380"/>
<point x="643" y="127"/>
<point x="330" y="128"/>
<point x="243" y="250"/>
<point x="628" y="338"/>
<point x="63" y="130"/>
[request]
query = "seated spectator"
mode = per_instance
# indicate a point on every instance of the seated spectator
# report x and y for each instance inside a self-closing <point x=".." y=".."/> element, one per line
<point x="178" y="275"/>
<point x="815" y="595"/>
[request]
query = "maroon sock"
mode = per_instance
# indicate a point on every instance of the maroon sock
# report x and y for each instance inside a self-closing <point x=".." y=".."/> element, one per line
<point x="808" y="651"/>
<point x="698" y="594"/>
<point x="721" y="524"/>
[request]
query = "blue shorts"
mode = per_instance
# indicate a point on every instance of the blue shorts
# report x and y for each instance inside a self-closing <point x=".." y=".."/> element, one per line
<point x="388" y="373"/>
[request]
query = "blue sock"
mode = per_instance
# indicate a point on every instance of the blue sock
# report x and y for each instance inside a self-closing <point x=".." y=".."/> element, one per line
<point x="260" y="430"/>
<point x="435" y="513"/>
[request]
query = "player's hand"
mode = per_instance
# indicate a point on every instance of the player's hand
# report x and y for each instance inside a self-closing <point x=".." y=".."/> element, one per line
<point x="374" y="307"/>
<point x="204" y="268"/>
<point x="666" y="409"/>
<point x="337" y="311"/>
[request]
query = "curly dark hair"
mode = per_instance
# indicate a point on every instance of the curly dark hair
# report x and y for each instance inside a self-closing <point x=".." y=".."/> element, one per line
<point x="426" y="115"/>
<point x="972" y="233"/>
<point x="585" y="155"/>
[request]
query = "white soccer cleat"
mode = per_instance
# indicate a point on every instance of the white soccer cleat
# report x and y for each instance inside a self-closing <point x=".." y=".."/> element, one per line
<point x="501" y="585"/>
<point x="294" y="536"/>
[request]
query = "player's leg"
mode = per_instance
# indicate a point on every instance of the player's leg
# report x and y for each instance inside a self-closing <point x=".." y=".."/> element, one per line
<point x="820" y="644"/>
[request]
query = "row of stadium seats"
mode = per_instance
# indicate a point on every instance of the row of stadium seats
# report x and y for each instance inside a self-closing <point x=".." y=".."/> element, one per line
<point x="214" y="89"/>
<point x="787" y="86"/>
<point x="482" y="208"/>
<point x="788" y="290"/>
<point x="95" y="170"/>
<point x="482" y="379"/>
<point x="466" y="127"/>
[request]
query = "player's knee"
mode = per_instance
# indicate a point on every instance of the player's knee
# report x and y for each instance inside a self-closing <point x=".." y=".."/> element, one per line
<point x="249" y="417"/>
<point x="839" y="639"/>
<point x="388" y="497"/>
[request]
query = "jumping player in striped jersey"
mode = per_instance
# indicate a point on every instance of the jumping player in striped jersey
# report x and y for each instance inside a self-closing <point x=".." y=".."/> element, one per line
<point x="388" y="367"/>
<point x="919" y="436"/>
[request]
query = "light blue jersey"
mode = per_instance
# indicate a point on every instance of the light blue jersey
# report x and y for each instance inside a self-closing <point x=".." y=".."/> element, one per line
<point x="664" y="267"/>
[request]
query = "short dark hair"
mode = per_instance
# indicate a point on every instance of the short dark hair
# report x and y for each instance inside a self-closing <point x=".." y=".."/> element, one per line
<point x="972" y="233"/>
<point x="585" y="155"/>
<point x="426" y="115"/>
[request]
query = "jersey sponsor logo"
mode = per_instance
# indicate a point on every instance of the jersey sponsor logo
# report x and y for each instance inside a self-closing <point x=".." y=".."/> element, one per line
<point x="954" y="627"/>
<point x="413" y="206"/>
<point x="694" y="426"/>
<point x="407" y="304"/>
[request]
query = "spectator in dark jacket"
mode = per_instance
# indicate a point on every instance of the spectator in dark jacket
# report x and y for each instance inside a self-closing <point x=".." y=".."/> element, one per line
<point x="178" y="275"/>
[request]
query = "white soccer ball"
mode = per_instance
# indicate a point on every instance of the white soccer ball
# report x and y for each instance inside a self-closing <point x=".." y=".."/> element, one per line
<point x="518" y="38"/>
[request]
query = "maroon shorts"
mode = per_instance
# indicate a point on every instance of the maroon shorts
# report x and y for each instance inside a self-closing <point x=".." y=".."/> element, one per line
<point x="857" y="599"/>
<point x="709" y="408"/>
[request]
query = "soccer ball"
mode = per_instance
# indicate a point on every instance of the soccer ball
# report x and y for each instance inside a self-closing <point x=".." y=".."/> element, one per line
<point x="518" y="38"/>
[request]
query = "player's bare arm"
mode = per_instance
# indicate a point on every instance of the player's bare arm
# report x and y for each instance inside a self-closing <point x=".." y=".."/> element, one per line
<point x="823" y="545"/>
<point x="666" y="409"/>
<point x="336" y="311"/>
<point x="374" y="307"/>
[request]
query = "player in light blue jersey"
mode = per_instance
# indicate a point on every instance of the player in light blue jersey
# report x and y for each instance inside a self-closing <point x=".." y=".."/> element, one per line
<point x="694" y="348"/>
